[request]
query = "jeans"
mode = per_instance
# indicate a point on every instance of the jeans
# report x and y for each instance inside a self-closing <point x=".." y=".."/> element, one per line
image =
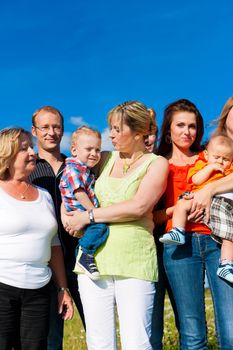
<point x="94" y="236"/>
<point x="56" y="323"/>
<point x="134" y="301"/>
<point x="24" y="316"/>
<point x="185" y="266"/>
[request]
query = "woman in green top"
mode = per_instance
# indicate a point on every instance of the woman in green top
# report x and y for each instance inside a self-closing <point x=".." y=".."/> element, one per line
<point x="130" y="183"/>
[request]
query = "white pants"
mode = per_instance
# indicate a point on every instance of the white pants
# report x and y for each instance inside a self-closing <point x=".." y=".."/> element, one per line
<point x="134" y="300"/>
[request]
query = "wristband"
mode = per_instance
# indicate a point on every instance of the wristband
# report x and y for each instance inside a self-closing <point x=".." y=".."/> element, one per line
<point x="63" y="289"/>
<point x="91" y="216"/>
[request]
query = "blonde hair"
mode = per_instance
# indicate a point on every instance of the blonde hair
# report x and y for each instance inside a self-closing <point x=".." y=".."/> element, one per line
<point x="9" y="147"/>
<point x="136" y="116"/>
<point x="221" y="121"/>
<point x="221" y="139"/>
<point x="84" y="130"/>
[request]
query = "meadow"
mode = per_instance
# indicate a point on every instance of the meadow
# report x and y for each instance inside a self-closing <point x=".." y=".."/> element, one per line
<point x="74" y="338"/>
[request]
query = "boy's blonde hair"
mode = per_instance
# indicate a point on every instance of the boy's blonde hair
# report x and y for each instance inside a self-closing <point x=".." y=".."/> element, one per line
<point x="84" y="130"/>
<point x="221" y="139"/>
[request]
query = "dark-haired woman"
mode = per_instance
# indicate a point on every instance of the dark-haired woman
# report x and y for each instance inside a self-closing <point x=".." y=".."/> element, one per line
<point x="185" y="265"/>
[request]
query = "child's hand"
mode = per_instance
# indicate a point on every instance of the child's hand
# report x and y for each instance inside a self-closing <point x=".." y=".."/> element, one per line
<point x="216" y="167"/>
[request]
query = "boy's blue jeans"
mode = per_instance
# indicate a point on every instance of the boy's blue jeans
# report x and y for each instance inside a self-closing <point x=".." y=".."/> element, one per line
<point x="94" y="236"/>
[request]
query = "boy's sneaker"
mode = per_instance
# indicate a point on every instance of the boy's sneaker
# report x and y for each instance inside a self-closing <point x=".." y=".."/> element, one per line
<point x="175" y="236"/>
<point x="225" y="271"/>
<point x="87" y="263"/>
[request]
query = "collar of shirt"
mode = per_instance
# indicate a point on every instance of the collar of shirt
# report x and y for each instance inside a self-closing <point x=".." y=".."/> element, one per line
<point x="77" y="162"/>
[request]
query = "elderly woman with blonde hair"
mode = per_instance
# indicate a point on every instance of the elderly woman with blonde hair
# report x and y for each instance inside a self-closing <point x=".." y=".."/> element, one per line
<point x="29" y="249"/>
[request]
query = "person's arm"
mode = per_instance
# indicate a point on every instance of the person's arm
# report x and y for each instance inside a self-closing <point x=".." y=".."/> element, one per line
<point x="161" y="216"/>
<point x="83" y="198"/>
<point x="149" y="192"/>
<point x="203" y="197"/>
<point x="65" y="304"/>
<point x="205" y="173"/>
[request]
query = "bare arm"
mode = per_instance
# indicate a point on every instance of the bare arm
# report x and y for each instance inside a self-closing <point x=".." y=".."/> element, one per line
<point x="65" y="305"/>
<point x="83" y="198"/>
<point x="149" y="192"/>
<point x="202" y="198"/>
<point x="161" y="216"/>
<point x="204" y="174"/>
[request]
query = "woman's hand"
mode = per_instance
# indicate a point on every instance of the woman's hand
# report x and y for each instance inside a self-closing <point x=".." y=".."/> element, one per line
<point x="74" y="222"/>
<point x="200" y="211"/>
<point x="65" y="305"/>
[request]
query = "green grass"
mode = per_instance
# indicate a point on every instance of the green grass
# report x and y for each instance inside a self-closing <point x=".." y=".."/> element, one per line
<point x="74" y="337"/>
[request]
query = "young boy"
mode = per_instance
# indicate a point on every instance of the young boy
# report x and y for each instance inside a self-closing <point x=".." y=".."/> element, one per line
<point x="219" y="155"/>
<point x="77" y="190"/>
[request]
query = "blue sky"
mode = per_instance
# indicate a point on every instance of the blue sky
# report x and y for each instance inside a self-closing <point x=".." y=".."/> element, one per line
<point x="86" y="56"/>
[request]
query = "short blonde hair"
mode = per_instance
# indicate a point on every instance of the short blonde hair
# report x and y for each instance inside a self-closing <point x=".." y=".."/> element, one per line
<point x="221" y="139"/>
<point x="136" y="116"/>
<point x="9" y="147"/>
<point x="84" y="130"/>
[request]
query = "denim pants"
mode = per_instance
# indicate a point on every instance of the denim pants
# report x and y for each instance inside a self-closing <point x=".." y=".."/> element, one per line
<point x="24" y="317"/>
<point x="185" y="266"/>
<point x="94" y="236"/>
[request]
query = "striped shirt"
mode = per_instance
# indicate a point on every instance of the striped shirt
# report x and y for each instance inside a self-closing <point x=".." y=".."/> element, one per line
<point x="44" y="176"/>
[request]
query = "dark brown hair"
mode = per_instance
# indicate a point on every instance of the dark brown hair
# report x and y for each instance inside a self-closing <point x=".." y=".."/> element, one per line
<point x="181" y="105"/>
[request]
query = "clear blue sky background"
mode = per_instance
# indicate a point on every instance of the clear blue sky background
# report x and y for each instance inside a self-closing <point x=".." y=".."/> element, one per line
<point x="86" y="56"/>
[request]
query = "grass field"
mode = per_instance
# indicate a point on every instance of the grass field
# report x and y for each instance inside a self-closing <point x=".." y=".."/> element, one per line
<point x="74" y="338"/>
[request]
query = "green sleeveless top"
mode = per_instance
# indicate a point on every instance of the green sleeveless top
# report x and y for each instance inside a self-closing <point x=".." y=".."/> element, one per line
<point x="130" y="249"/>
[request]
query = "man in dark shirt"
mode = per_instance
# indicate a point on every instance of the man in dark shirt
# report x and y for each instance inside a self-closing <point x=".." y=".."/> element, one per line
<point x="48" y="128"/>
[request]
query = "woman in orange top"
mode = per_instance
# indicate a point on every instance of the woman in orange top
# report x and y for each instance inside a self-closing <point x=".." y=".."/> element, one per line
<point x="186" y="264"/>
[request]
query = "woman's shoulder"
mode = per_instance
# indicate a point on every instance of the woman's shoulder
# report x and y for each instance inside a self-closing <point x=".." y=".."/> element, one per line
<point x="44" y="194"/>
<point x="158" y="163"/>
<point x="156" y="159"/>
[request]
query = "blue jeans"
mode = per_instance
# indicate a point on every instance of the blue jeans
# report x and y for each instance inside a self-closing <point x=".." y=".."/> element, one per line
<point x="94" y="236"/>
<point x="185" y="267"/>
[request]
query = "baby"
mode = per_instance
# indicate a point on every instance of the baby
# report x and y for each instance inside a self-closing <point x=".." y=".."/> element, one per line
<point x="77" y="190"/>
<point x="219" y="155"/>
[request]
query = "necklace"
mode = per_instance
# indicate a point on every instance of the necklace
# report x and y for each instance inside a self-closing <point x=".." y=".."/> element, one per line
<point x="126" y="166"/>
<point x="22" y="195"/>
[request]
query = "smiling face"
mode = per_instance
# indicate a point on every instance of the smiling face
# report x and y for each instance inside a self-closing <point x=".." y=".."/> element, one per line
<point x="86" y="148"/>
<point x="25" y="160"/>
<point x="183" y="130"/>
<point x="48" y="130"/>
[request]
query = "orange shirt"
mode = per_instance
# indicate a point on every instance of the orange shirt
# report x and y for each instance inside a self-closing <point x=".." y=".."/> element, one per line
<point x="200" y="164"/>
<point x="177" y="184"/>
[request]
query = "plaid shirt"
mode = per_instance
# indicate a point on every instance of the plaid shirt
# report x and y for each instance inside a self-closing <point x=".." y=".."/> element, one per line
<point x="76" y="175"/>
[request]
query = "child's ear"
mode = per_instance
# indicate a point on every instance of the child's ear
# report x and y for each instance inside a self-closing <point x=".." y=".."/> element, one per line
<point x="206" y="154"/>
<point x="73" y="150"/>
